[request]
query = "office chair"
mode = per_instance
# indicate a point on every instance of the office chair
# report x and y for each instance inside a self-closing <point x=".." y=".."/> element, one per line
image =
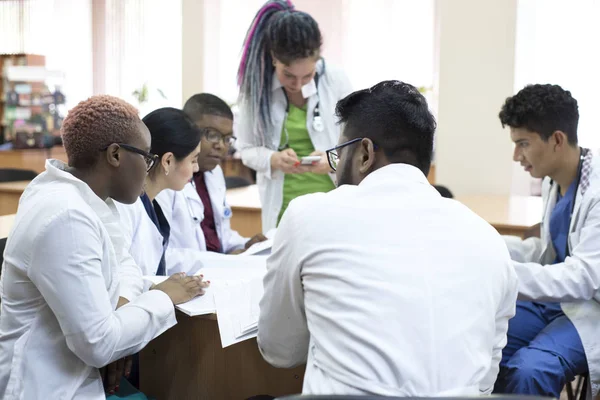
<point x="14" y="174"/>
<point x="369" y="397"/>
<point x="233" y="182"/>
<point x="580" y="392"/>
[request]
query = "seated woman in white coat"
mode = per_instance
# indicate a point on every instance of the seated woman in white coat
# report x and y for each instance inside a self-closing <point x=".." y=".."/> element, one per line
<point x="199" y="213"/>
<point x="66" y="264"/>
<point x="383" y="286"/>
<point x="176" y="143"/>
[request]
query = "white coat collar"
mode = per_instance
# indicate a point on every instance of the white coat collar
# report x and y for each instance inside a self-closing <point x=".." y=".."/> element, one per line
<point x="396" y="173"/>
<point x="56" y="171"/>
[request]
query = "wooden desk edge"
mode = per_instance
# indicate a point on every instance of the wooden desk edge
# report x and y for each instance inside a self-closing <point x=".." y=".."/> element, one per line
<point x="14" y="187"/>
<point x="245" y="208"/>
<point x="509" y="226"/>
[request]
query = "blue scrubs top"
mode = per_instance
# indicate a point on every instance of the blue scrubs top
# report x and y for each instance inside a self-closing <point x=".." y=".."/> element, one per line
<point x="560" y="219"/>
<point x="158" y="218"/>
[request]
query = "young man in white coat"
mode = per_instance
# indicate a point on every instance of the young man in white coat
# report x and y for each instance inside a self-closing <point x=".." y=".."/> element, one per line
<point x="555" y="334"/>
<point x="383" y="286"/>
<point x="200" y="215"/>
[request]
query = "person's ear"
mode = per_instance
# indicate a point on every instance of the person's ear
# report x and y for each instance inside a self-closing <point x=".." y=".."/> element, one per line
<point x="167" y="161"/>
<point x="560" y="139"/>
<point x="367" y="156"/>
<point x="113" y="155"/>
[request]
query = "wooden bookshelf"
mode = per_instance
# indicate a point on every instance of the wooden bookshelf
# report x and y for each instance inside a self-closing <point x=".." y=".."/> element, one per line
<point x="15" y="60"/>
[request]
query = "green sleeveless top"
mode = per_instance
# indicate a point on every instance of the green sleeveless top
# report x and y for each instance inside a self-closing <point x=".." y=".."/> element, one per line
<point x="295" y="185"/>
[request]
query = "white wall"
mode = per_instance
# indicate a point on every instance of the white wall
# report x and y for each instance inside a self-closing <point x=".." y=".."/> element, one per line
<point x="476" y="44"/>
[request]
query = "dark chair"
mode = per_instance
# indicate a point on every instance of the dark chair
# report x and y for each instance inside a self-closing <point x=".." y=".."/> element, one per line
<point x="13" y="174"/>
<point x="444" y="191"/>
<point x="580" y="391"/>
<point x="368" y="397"/>
<point x="232" y="182"/>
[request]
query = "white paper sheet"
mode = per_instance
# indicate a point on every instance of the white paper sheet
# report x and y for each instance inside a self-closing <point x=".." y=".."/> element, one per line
<point x="218" y="260"/>
<point x="237" y="310"/>
<point x="233" y="270"/>
<point x="262" y="248"/>
<point x="202" y="305"/>
<point x="248" y="318"/>
<point x="259" y="249"/>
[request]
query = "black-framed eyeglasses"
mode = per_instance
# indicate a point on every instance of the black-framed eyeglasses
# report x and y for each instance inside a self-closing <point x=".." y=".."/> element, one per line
<point x="149" y="158"/>
<point x="214" y="136"/>
<point x="332" y="154"/>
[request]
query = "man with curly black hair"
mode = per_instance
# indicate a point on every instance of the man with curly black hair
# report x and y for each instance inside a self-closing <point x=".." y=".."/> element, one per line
<point x="555" y="334"/>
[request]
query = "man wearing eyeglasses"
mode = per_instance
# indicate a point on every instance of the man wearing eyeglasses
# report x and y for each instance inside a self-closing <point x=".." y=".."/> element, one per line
<point x="383" y="286"/>
<point x="200" y="214"/>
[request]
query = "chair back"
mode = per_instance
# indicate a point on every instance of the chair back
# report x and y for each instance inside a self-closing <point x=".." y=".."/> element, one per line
<point x="14" y="174"/>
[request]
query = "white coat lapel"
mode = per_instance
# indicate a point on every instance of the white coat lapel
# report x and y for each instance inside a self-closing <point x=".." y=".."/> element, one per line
<point x="215" y="184"/>
<point x="194" y="201"/>
<point x="575" y="217"/>
<point x="548" y="254"/>
<point x="583" y="185"/>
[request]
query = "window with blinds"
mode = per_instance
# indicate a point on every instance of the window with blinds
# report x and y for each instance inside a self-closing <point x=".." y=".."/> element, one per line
<point x="21" y="22"/>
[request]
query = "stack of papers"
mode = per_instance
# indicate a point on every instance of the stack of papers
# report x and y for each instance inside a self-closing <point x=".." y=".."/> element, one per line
<point x="234" y="295"/>
<point x="262" y="248"/>
<point x="259" y="249"/>
<point x="237" y="310"/>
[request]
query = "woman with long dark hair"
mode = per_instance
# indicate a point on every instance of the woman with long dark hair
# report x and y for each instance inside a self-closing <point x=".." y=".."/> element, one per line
<point x="287" y="101"/>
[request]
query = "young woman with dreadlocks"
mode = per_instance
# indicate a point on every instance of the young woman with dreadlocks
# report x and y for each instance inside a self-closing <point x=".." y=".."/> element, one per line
<point x="287" y="101"/>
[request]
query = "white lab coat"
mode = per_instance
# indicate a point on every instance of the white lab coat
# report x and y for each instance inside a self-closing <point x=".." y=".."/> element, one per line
<point x="333" y="86"/>
<point x="575" y="283"/>
<point x="66" y="263"/>
<point x="145" y="238"/>
<point x="147" y="243"/>
<point x="184" y="211"/>
<point x="388" y="289"/>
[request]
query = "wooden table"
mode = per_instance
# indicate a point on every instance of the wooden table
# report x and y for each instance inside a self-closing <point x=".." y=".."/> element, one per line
<point x="246" y="208"/>
<point x="6" y="223"/>
<point x="431" y="175"/>
<point x="244" y="203"/>
<point x="510" y="215"/>
<point x="10" y="193"/>
<point x="188" y="362"/>
<point x="233" y="166"/>
<point x="32" y="159"/>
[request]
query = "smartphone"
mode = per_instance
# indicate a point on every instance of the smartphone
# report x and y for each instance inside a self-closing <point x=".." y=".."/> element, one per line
<point x="310" y="160"/>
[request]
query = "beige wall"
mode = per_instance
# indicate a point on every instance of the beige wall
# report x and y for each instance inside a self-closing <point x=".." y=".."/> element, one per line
<point x="193" y="16"/>
<point x="331" y="23"/>
<point x="476" y="43"/>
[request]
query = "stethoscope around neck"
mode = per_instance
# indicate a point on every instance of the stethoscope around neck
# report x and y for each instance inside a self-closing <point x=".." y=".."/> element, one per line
<point x="317" y="122"/>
